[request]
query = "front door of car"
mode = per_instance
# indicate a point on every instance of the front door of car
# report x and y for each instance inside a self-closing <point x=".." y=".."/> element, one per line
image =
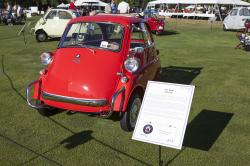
<point x="150" y="51"/>
<point x="50" y="26"/>
<point x="142" y="37"/>
<point x="63" y="18"/>
<point x="230" y="20"/>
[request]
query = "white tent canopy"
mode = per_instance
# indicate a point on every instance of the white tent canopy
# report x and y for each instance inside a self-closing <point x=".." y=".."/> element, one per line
<point x="224" y="2"/>
<point x="62" y="5"/>
<point x="90" y="2"/>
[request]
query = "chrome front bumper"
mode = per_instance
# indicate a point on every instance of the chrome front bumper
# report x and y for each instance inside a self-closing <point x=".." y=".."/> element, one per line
<point x="78" y="101"/>
<point x="73" y="100"/>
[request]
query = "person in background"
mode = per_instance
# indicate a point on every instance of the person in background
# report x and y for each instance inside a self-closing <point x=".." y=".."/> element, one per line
<point x="107" y="9"/>
<point x="8" y="7"/>
<point x="123" y="7"/>
<point x="18" y="12"/>
<point x="92" y="13"/>
<point x="72" y="5"/>
<point x="113" y="7"/>
<point x="14" y="8"/>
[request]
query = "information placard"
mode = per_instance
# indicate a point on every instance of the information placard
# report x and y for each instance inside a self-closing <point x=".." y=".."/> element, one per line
<point x="164" y="114"/>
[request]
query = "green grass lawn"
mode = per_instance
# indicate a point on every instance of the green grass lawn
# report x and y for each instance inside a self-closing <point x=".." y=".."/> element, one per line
<point x="191" y="53"/>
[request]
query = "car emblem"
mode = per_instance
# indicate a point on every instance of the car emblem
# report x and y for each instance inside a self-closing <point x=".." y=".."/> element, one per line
<point x="77" y="58"/>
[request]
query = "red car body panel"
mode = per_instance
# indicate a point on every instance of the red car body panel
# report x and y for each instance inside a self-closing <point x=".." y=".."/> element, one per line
<point x="86" y="78"/>
<point x="95" y="76"/>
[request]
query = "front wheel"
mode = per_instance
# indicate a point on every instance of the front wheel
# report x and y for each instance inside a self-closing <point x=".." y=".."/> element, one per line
<point x="128" y="118"/>
<point x="41" y="36"/>
<point x="46" y="111"/>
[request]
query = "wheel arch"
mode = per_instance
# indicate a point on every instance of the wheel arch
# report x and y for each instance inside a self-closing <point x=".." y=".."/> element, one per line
<point x="138" y="89"/>
<point x="40" y="30"/>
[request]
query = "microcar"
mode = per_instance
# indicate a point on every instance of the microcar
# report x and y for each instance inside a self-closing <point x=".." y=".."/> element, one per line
<point x="53" y="23"/>
<point x="102" y="65"/>
<point x="236" y="18"/>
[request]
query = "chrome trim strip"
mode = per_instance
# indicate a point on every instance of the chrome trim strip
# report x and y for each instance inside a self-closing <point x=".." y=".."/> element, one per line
<point x="122" y="90"/>
<point x="73" y="100"/>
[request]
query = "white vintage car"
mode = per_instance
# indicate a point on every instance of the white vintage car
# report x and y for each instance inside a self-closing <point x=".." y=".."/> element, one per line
<point x="236" y="18"/>
<point x="53" y="23"/>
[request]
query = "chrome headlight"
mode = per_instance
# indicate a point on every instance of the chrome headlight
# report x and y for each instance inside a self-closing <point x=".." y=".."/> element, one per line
<point x="132" y="64"/>
<point x="46" y="58"/>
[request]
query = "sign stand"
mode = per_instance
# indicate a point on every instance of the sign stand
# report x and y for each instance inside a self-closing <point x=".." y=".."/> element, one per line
<point x="163" y="115"/>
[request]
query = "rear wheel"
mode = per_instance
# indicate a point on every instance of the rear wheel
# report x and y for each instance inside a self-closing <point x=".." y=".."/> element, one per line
<point x="41" y="36"/>
<point x="128" y="118"/>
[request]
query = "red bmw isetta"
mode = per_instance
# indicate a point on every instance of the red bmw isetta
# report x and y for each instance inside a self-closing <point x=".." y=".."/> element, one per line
<point x="101" y="65"/>
<point x="156" y="24"/>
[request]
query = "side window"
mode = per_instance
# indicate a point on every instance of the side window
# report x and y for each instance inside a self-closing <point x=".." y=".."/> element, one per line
<point x="136" y="32"/>
<point x="146" y="34"/>
<point x="244" y="12"/>
<point x="234" y="12"/>
<point x="51" y="15"/>
<point x="137" y="36"/>
<point x="64" y="15"/>
<point x="241" y="12"/>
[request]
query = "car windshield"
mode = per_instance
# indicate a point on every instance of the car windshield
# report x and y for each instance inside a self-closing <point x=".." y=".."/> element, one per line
<point x="100" y="35"/>
<point x="150" y="13"/>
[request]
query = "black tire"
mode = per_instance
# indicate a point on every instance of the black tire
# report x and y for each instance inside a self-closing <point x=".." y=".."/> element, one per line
<point x="158" y="75"/>
<point x="46" y="111"/>
<point x="129" y="117"/>
<point x="41" y="36"/>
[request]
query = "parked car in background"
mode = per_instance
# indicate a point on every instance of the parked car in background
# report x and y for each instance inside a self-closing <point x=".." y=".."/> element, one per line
<point x="102" y="65"/>
<point x="236" y="18"/>
<point x="156" y="24"/>
<point x="53" y="23"/>
<point x="32" y="11"/>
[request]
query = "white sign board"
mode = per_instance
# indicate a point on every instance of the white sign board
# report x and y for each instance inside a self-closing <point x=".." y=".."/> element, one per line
<point x="164" y="114"/>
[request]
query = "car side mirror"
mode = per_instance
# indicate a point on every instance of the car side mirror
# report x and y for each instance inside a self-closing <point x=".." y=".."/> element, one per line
<point x="136" y="50"/>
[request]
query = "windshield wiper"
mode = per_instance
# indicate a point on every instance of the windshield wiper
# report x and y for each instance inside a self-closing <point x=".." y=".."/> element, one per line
<point x="80" y="45"/>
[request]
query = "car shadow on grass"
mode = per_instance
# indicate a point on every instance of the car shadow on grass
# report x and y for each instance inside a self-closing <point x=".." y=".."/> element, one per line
<point x="203" y="131"/>
<point x="77" y="139"/>
<point x="80" y="138"/>
<point x="169" y="32"/>
<point x="180" y="75"/>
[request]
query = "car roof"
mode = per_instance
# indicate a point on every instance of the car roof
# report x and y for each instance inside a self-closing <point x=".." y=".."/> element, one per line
<point x="61" y="9"/>
<point x="117" y="18"/>
<point x="239" y="7"/>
